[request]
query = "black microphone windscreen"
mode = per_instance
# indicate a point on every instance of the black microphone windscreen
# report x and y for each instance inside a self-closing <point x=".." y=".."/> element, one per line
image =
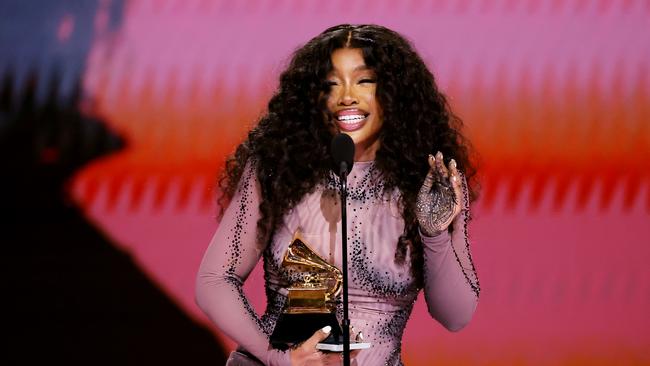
<point x="343" y="150"/>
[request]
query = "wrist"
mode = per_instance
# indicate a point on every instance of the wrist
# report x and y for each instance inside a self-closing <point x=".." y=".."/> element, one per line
<point x="439" y="242"/>
<point x="425" y="233"/>
<point x="280" y="358"/>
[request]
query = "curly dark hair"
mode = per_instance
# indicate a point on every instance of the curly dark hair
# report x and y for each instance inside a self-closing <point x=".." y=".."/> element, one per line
<point x="289" y="147"/>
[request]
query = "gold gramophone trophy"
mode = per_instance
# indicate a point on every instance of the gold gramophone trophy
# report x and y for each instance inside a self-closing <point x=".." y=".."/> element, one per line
<point x="311" y="298"/>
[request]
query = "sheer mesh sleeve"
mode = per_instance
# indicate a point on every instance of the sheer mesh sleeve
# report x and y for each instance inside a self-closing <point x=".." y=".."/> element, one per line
<point x="460" y="243"/>
<point x="229" y="259"/>
<point x="451" y="286"/>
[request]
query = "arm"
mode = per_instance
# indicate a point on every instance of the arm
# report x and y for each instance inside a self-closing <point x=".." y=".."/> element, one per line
<point x="451" y="286"/>
<point x="229" y="259"/>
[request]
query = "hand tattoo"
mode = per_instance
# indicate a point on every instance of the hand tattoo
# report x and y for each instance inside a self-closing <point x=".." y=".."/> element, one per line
<point x="435" y="204"/>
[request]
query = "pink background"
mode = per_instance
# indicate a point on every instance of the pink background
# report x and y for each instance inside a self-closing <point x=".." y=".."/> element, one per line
<point x="555" y="95"/>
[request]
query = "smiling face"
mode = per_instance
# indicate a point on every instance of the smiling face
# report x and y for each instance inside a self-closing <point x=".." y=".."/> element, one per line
<point x="351" y="101"/>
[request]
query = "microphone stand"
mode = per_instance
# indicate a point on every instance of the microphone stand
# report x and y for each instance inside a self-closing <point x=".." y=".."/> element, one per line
<point x="344" y="257"/>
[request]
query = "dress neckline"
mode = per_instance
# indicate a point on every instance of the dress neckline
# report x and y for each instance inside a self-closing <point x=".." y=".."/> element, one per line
<point x="363" y="164"/>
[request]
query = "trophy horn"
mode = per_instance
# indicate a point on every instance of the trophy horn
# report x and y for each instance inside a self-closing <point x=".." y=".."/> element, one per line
<point x="305" y="260"/>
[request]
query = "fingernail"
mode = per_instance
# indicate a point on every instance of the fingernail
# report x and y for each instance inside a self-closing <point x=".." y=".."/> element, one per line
<point x="326" y="329"/>
<point x="453" y="163"/>
<point x="439" y="155"/>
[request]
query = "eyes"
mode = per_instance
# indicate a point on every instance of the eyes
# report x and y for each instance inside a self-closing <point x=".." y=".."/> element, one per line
<point x="332" y="82"/>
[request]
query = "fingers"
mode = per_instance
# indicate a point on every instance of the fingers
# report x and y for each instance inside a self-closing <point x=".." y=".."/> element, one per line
<point x="359" y="337"/>
<point x="455" y="176"/>
<point x="440" y="166"/>
<point x="318" y="336"/>
<point x="307" y="354"/>
<point x="356" y="336"/>
<point x="321" y="334"/>
<point x="432" y="162"/>
<point x="430" y="178"/>
<point x="439" y="169"/>
<point x="336" y="358"/>
<point x="456" y="180"/>
<point x="333" y="358"/>
<point x="456" y="183"/>
<point x="437" y="164"/>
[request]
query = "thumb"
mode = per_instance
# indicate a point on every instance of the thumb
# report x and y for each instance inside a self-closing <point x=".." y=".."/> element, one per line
<point x="318" y="336"/>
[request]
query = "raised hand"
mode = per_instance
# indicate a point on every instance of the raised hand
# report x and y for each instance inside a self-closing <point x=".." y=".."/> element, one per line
<point x="439" y="199"/>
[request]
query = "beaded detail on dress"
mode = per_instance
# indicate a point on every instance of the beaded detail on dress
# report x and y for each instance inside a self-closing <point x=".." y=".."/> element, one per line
<point x="461" y="249"/>
<point x="235" y="247"/>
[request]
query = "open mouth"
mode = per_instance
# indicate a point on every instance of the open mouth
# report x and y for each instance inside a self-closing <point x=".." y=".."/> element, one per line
<point x="350" y="120"/>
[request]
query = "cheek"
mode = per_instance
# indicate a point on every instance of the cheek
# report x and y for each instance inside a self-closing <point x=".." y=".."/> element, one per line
<point x="330" y="102"/>
<point x="371" y="100"/>
<point x="375" y="108"/>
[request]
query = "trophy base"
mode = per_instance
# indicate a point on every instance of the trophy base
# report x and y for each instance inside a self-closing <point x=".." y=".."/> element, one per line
<point x="338" y="347"/>
<point x="292" y="329"/>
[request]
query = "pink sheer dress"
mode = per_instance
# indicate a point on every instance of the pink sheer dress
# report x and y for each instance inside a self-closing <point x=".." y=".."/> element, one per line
<point x="382" y="289"/>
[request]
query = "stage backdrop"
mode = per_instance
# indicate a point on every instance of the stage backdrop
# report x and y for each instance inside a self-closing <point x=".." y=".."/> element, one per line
<point x="555" y="96"/>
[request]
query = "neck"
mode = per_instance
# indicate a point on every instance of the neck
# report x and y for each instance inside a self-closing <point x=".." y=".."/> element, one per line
<point x="366" y="152"/>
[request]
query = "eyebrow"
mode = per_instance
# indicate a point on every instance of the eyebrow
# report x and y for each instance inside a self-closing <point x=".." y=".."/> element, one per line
<point x="362" y="68"/>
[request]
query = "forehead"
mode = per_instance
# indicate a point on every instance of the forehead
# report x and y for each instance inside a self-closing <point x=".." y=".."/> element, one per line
<point x="348" y="60"/>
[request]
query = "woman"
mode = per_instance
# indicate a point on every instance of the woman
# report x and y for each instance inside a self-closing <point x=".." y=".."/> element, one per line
<point x="407" y="209"/>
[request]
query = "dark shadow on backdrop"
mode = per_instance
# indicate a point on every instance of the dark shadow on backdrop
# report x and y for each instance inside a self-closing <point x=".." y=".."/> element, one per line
<point x="68" y="293"/>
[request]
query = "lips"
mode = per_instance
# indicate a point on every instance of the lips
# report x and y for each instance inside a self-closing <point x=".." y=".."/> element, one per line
<point x="350" y="119"/>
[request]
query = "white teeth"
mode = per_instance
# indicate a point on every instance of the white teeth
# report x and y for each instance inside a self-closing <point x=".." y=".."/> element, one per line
<point x="351" y="118"/>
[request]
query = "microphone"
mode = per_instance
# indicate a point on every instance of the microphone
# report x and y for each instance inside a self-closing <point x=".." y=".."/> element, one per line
<point x="343" y="153"/>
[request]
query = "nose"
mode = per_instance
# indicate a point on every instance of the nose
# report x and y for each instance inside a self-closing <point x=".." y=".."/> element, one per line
<point x="348" y="96"/>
